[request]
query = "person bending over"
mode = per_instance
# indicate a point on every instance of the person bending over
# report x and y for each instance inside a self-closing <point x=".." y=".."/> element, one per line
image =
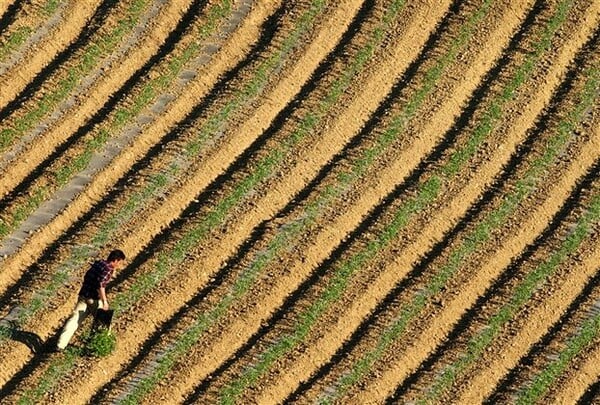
<point x="92" y="294"/>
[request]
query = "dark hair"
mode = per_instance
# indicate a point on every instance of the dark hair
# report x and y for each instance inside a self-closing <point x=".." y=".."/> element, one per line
<point x="115" y="255"/>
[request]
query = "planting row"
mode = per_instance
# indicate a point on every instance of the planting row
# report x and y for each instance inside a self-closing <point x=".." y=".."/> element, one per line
<point x="74" y="169"/>
<point x="557" y="357"/>
<point x="56" y="282"/>
<point x="33" y="112"/>
<point x="243" y="226"/>
<point x="491" y="332"/>
<point x="263" y="258"/>
<point x="41" y="49"/>
<point x="61" y="179"/>
<point x="29" y="23"/>
<point x="326" y="103"/>
<point x="307" y="316"/>
<point x="154" y="375"/>
<point x="423" y="294"/>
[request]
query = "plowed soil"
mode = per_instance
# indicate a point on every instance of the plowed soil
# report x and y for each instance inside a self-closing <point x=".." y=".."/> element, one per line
<point x="276" y="161"/>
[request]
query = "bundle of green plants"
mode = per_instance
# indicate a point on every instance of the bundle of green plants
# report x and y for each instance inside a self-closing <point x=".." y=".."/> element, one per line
<point x="101" y="343"/>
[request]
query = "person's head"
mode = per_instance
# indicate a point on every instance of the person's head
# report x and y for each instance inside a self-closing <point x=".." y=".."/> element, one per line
<point x="116" y="258"/>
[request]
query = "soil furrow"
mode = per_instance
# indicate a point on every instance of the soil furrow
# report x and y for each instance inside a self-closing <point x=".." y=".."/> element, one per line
<point x="525" y="326"/>
<point x="283" y="188"/>
<point x="252" y="125"/>
<point x="374" y="87"/>
<point x="539" y="318"/>
<point x="142" y="110"/>
<point x="75" y="157"/>
<point x="324" y="34"/>
<point x="36" y="20"/>
<point x="576" y="385"/>
<point x="361" y="201"/>
<point x="357" y="306"/>
<point x="403" y="288"/>
<point x="48" y="177"/>
<point x="62" y="86"/>
<point x="592" y="394"/>
<point x="15" y="76"/>
<point x="547" y="349"/>
<point x="312" y="359"/>
<point x="10" y="12"/>
<point x="457" y="326"/>
<point x="438" y="330"/>
<point x="35" y="83"/>
<point x="168" y="206"/>
<point x="233" y="50"/>
<point x="174" y="198"/>
<point x="397" y="373"/>
<point x="26" y="157"/>
<point x="132" y="147"/>
<point x="509" y="351"/>
<point x="331" y="237"/>
<point x="62" y="89"/>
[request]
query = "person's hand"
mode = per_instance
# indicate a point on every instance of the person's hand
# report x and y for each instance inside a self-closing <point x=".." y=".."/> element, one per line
<point x="105" y="305"/>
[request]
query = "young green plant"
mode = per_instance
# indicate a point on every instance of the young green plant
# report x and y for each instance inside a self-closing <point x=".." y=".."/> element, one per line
<point x="480" y="234"/>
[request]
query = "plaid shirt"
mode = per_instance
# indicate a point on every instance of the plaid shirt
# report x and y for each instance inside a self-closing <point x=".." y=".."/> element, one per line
<point x="97" y="276"/>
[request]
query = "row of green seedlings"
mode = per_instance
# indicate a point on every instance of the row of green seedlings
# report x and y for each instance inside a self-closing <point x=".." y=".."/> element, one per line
<point x="98" y="343"/>
<point x="265" y="168"/>
<point x="522" y="293"/>
<point x="475" y="240"/>
<point x="580" y="342"/>
<point x="426" y="194"/>
<point x="92" y="55"/>
<point x="156" y="187"/>
<point x="147" y="94"/>
<point x="20" y="34"/>
<point x="288" y="232"/>
<point x="88" y="61"/>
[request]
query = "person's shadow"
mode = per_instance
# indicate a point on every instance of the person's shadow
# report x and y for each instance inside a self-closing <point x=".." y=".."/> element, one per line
<point x="30" y="339"/>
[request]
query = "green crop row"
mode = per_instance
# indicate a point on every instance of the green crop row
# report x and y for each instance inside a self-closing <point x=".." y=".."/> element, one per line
<point x="160" y="181"/>
<point x="481" y="233"/>
<point x="215" y="14"/>
<point x="427" y="192"/>
<point x="291" y="229"/>
<point x="346" y="179"/>
<point x="523" y="292"/>
<point x="262" y="170"/>
<point x="15" y="39"/>
<point x="97" y="344"/>
<point x="170" y="260"/>
<point x="156" y="185"/>
<point x="19" y="36"/>
<point x="91" y="57"/>
<point x="148" y="92"/>
<point x="50" y="378"/>
<point x="586" y="334"/>
<point x="282" y="239"/>
<point x="20" y="212"/>
<point x="157" y="182"/>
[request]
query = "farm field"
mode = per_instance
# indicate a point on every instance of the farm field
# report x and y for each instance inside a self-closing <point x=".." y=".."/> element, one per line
<point x="352" y="202"/>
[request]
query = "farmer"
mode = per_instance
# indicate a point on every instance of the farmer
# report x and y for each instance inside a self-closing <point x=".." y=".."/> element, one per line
<point x="92" y="294"/>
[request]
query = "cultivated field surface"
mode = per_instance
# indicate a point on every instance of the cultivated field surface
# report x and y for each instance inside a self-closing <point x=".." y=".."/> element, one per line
<point x="349" y="202"/>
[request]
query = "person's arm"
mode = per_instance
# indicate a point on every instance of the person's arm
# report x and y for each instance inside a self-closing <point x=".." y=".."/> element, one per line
<point x="103" y="299"/>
